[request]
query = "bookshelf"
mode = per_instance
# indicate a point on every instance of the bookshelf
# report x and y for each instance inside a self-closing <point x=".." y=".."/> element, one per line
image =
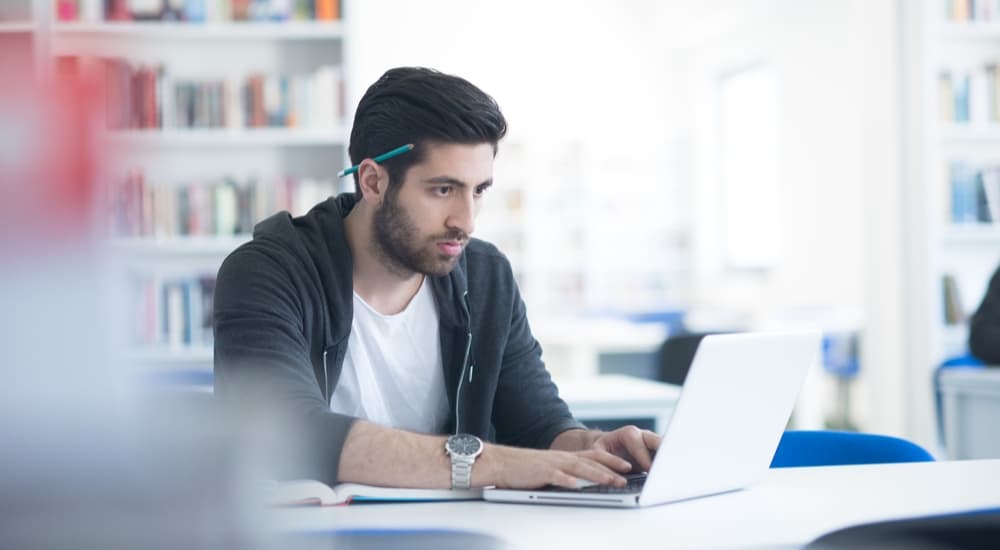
<point x="959" y="68"/>
<point x="219" y="113"/>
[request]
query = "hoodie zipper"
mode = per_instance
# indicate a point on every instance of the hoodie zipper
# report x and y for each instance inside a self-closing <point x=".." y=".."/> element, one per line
<point x="326" y="379"/>
<point x="465" y="364"/>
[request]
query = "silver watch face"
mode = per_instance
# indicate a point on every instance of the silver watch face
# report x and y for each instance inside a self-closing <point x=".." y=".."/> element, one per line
<point x="464" y="445"/>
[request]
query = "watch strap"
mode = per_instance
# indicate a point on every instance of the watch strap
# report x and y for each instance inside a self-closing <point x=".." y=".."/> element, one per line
<point x="461" y="471"/>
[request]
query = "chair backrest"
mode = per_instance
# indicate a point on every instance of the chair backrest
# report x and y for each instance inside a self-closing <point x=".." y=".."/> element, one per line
<point x="959" y="361"/>
<point x="833" y="448"/>
<point x="976" y="529"/>
<point x="675" y="356"/>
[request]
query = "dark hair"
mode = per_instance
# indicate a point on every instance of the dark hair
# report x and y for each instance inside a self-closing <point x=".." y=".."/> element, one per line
<point x="421" y="106"/>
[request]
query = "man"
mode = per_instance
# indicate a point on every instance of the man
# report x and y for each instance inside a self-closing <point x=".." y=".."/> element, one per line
<point x="378" y="324"/>
<point x="984" y="328"/>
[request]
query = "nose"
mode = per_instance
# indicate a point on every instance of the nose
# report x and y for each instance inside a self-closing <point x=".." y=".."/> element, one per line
<point x="463" y="213"/>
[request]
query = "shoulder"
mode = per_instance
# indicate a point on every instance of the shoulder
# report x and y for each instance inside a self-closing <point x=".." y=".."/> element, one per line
<point x="481" y="254"/>
<point x="293" y="245"/>
<point x="487" y="267"/>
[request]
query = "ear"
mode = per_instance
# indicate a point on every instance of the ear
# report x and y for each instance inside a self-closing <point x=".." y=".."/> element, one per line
<point x="374" y="180"/>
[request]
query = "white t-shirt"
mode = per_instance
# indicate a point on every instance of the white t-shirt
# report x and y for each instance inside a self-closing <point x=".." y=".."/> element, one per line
<point x="392" y="373"/>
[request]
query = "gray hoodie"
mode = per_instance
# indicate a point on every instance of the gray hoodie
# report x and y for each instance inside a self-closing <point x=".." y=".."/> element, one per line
<point x="283" y="310"/>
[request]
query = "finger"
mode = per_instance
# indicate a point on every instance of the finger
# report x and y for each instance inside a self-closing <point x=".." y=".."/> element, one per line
<point x="634" y="443"/>
<point x="651" y="439"/>
<point x="596" y="472"/>
<point x="562" y="479"/>
<point x="608" y="459"/>
<point x="611" y="441"/>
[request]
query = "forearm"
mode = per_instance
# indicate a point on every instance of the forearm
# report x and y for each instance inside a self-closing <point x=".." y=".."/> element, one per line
<point x="575" y="440"/>
<point x="376" y="455"/>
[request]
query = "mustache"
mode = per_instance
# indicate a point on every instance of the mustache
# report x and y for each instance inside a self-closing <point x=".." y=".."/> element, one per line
<point x="456" y="235"/>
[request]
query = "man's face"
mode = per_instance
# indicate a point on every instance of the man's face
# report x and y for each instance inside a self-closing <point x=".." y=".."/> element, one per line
<point x="423" y="225"/>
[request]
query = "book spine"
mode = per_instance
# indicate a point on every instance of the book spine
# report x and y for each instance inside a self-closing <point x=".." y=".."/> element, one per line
<point x="991" y="188"/>
<point x="946" y="97"/>
<point x="206" y="286"/>
<point x="67" y="10"/>
<point x="961" y="85"/>
<point x="954" y="314"/>
<point x="327" y="10"/>
<point x="964" y="197"/>
<point x="979" y="105"/>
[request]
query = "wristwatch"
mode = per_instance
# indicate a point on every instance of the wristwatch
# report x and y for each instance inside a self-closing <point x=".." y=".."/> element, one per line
<point x="463" y="450"/>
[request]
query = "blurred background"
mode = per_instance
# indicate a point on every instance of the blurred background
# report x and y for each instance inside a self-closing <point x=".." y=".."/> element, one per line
<point x="672" y="169"/>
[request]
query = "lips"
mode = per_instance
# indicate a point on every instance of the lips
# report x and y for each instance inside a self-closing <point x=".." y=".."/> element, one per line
<point x="451" y="248"/>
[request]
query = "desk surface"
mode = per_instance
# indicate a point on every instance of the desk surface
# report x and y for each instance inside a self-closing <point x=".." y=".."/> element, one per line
<point x="790" y="507"/>
<point x="617" y="389"/>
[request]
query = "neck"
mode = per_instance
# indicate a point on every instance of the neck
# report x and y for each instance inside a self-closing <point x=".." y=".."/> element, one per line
<point x="386" y="290"/>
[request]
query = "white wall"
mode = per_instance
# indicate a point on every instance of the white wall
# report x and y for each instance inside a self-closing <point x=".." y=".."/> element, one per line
<point x="841" y="194"/>
<point x="820" y="207"/>
<point x="557" y="68"/>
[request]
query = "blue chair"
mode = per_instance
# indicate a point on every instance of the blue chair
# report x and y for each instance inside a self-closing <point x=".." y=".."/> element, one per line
<point x="833" y="448"/>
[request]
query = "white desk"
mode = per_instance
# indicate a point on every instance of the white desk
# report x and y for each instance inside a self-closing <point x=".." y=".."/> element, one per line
<point x="790" y="507"/>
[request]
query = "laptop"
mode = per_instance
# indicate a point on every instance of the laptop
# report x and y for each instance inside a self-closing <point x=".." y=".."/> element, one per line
<point x="724" y="430"/>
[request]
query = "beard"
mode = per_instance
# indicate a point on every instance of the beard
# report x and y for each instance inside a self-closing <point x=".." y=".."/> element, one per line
<point x="401" y="249"/>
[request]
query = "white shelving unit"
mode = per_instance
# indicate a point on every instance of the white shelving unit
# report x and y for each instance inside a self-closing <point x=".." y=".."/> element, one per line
<point x="173" y="155"/>
<point x="963" y="135"/>
<point x="987" y="235"/>
<point x="969" y="252"/>
<point x="225" y="138"/>
<point x="17" y="27"/>
<point x="968" y="31"/>
<point x="177" y="246"/>
<point x="216" y="32"/>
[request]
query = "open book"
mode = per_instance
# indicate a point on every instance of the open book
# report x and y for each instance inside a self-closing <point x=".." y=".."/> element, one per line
<point x="307" y="491"/>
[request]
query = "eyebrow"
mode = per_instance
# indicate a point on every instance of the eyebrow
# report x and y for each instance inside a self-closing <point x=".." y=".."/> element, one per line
<point x="454" y="181"/>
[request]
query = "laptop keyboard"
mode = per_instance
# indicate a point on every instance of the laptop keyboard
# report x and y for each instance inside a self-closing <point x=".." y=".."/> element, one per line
<point x="633" y="484"/>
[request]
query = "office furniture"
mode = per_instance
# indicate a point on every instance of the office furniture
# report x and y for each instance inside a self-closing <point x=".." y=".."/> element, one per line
<point x="675" y="356"/>
<point x="964" y="360"/>
<point x="390" y="539"/>
<point x="962" y="530"/>
<point x="609" y="401"/>
<point x="582" y="346"/>
<point x="195" y="380"/>
<point x="970" y="411"/>
<point x="602" y="402"/>
<point x="789" y="507"/>
<point x="831" y="448"/>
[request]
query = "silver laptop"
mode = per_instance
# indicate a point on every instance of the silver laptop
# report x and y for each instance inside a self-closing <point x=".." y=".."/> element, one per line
<point x="733" y="409"/>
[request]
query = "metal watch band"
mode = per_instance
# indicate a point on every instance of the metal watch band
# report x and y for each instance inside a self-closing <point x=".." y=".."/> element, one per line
<point x="461" y="472"/>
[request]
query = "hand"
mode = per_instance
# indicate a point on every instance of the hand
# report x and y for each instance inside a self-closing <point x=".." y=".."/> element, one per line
<point x="518" y="468"/>
<point x="630" y="443"/>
